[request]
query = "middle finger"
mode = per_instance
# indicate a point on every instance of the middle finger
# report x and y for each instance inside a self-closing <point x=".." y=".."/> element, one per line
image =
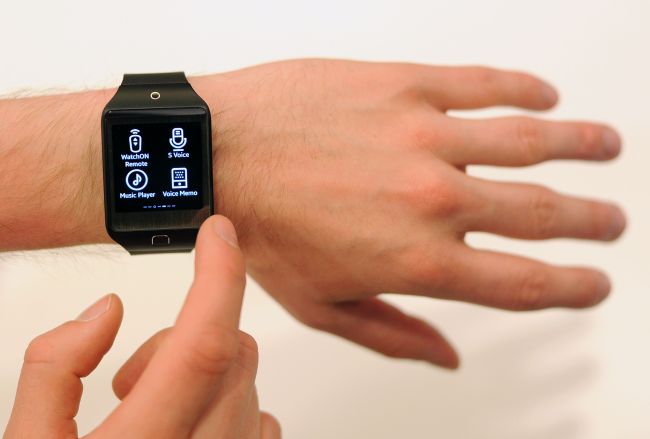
<point x="524" y="141"/>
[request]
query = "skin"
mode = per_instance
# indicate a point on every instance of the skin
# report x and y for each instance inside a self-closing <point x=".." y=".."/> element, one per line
<point x="345" y="181"/>
<point x="194" y="380"/>
<point x="350" y="182"/>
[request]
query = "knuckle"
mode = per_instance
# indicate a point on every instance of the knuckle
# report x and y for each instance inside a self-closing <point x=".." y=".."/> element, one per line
<point x="270" y="426"/>
<point x="231" y="272"/>
<point x="248" y="352"/>
<point x="544" y="210"/>
<point x="212" y="355"/>
<point x="433" y="195"/>
<point x="39" y="350"/>
<point x="487" y="78"/>
<point x="236" y="278"/>
<point x="532" y="288"/>
<point x="235" y="269"/>
<point x="408" y="74"/>
<point x="531" y="141"/>
<point x="422" y="271"/>
<point x="419" y="132"/>
<point x="160" y="336"/>
<point x="587" y="144"/>
<point x="317" y="318"/>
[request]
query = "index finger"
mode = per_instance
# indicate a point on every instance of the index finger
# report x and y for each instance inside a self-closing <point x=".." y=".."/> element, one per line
<point x="464" y="88"/>
<point x="184" y="374"/>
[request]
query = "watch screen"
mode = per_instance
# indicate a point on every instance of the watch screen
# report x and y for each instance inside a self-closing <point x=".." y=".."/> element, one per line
<point x="157" y="166"/>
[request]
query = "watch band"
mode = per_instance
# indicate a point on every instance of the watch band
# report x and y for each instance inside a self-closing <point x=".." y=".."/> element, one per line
<point x="156" y="91"/>
<point x="154" y="78"/>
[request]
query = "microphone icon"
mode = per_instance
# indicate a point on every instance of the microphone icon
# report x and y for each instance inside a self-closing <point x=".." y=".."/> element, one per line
<point x="178" y="140"/>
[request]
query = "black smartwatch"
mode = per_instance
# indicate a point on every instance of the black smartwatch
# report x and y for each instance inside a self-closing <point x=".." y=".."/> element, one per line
<point x="157" y="153"/>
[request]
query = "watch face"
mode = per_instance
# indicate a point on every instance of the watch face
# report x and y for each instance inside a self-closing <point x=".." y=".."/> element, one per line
<point x="158" y="161"/>
<point x="157" y="166"/>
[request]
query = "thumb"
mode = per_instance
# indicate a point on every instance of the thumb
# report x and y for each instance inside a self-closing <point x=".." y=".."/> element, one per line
<point x="49" y="389"/>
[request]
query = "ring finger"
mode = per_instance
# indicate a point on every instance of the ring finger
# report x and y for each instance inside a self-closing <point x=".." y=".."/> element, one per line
<point x="534" y="212"/>
<point x="516" y="283"/>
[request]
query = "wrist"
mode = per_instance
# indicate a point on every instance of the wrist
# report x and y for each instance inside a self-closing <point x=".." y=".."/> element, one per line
<point x="90" y="193"/>
<point x="51" y="157"/>
<point x="228" y="116"/>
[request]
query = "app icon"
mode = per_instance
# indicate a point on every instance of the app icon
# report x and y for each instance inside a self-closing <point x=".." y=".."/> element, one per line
<point x="179" y="178"/>
<point x="135" y="141"/>
<point x="137" y="180"/>
<point x="178" y="140"/>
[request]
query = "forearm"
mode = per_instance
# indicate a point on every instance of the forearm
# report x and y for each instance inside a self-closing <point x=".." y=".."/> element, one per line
<point x="50" y="171"/>
<point x="51" y="189"/>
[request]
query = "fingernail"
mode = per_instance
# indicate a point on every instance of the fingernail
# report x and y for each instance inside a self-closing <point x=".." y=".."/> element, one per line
<point x="225" y="230"/>
<point x="549" y="94"/>
<point x="611" y="142"/>
<point x="617" y="224"/>
<point x="96" y="310"/>
<point x="451" y="363"/>
<point x="604" y="287"/>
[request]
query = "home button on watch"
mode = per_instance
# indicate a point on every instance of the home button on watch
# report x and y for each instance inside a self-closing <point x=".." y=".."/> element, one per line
<point x="160" y="240"/>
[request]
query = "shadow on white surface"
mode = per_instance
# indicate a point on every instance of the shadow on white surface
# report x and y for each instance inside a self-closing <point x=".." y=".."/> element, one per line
<point x="524" y="384"/>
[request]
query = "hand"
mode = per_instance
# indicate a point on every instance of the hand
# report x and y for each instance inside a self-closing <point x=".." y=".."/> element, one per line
<point x="346" y="180"/>
<point x="196" y="380"/>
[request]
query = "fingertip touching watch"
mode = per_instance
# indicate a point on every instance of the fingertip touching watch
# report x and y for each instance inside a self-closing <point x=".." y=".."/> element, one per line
<point x="157" y="155"/>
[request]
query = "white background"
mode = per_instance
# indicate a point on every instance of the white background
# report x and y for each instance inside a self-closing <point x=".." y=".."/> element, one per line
<point x="551" y="374"/>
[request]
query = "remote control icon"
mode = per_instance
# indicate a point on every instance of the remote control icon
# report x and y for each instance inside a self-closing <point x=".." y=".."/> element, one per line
<point x="135" y="140"/>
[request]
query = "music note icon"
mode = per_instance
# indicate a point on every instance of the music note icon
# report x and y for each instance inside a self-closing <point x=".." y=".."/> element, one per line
<point x="137" y="180"/>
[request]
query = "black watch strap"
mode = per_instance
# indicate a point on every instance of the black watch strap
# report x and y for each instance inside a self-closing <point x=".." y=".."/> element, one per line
<point x="155" y="90"/>
<point x="151" y="91"/>
<point x="154" y="78"/>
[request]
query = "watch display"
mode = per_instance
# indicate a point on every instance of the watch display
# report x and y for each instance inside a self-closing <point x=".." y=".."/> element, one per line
<point x="157" y="166"/>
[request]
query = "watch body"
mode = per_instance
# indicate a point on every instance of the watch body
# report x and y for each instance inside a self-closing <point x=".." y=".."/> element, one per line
<point x="157" y="155"/>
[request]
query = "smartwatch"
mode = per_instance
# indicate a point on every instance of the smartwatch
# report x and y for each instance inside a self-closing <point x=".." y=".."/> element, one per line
<point x="157" y="155"/>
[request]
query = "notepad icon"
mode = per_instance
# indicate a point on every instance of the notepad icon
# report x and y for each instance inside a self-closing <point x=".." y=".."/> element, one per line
<point x="179" y="178"/>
